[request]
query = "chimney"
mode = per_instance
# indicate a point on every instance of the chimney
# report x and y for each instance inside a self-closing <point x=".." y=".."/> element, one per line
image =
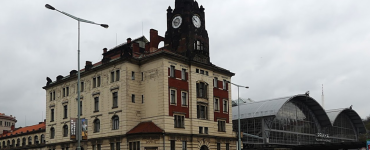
<point x="154" y="40"/>
<point x="105" y="50"/>
<point x="88" y="65"/>
<point x="135" y="47"/>
<point x="60" y="77"/>
<point x="128" y="40"/>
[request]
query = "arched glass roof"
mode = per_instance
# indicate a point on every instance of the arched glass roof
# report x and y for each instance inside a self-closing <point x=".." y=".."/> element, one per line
<point x="355" y="118"/>
<point x="271" y="108"/>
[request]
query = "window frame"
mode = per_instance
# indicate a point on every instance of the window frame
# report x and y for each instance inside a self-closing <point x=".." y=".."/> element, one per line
<point x="221" y="125"/>
<point x="96" y="104"/>
<point x="115" y="100"/>
<point x="179" y="121"/>
<point x="225" y="106"/>
<point x="183" y="74"/>
<point x="65" y="130"/>
<point x="52" y="133"/>
<point x="173" y="96"/>
<point x="216" y="106"/>
<point x="184" y="101"/>
<point x="215" y="82"/>
<point x="52" y="113"/>
<point x="202" y="89"/>
<point x="96" y="125"/>
<point x="133" y="98"/>
<point x="199" y="110"/>
<point x="132" y="75"/>
<point x="115" y="122"/>
<point x="65" y="111"/>
<point x="172" y="71"/>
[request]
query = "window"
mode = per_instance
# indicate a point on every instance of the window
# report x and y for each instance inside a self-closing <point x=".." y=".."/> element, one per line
<point x="23" y="142"/>
<point x="19" y="142"/>
<point x="172" y="71"/>
<point x="94" y="82"/>
<point x="207" y="73"/>
<point x="200" y="130"/>
<point x="201" y="71"/>
<point x="224" y="83"/>
<point x="81" y="108"/>
<point x="1" y="123"/>
<point x="172" y="144"/>
<point x="179" y="121"/>
<point x="202" y="90"/>
<point x="142" y="98"/>
<point x="218" y="146"/>
<point x="96" y="104"/>
<point x="98" y="81"/>
<point x="205" y="130"/>
<point x="42" y="138"/>
<point x="65" y="111"/>
<point x="196" y="70"/>
<point x="183" y="74"/>
<point x="111" y="146"/>
<point x="227" y="146"/>
<point x="217" y="104"/>
<point x="52" y="115"/>
<point x="52" y="133"/>
<point x="82" y="88"/>
<point x="67" y="91"/>
<point x="117" y="75"/>
<point x="65" y="131"/>
<point x="142" y="76"/>
<point x="112" y="77"/>
<point x="134" y="145"/>
<point x="198" y="45"/>
<point x="64" y="92"/>
<point x="215" y="80"/>
<point x="115" y="99"/>
<point x="51" y="96"/>
<point x="29" y="140"/>
<point x="184" y="98"/>
<point x="118" y="146"/>
<point x="96" y="147"/>
<point x="96" y="125"/>
<point x="133" y="75"/>
<point x="115" y="123"/>
<point x="133" y="98"/>
<point x="173" y="96"/>
<point x="221" y="125"/>
<point x="183" y="145"/>
<point x="226" y="108"/>
<point x="202" y="111"/>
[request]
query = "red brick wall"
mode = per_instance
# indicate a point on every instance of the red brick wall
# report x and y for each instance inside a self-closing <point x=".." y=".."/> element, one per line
<point x="221" y="94"/>
<point x="180" y="85"/>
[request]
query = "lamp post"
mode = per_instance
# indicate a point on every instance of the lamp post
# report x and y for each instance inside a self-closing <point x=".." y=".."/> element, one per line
<point x="78" y="72"/>
<point x="239" y="140"/>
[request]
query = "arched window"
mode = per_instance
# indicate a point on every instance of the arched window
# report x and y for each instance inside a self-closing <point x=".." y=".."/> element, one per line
<point x="42" y="138"/>
<point x="65" y="131"/>
<point x="52" y="133"/>
<point x="29" y="140"/>
<point x="115" y="122"/>
<point x="18" y="142"/>
<point x="13" y="143"/>
<point x="36" y="139"/>
<point x="8" y="143"/>
<point x="96" y="125"/>
<point x="24" y="141"/>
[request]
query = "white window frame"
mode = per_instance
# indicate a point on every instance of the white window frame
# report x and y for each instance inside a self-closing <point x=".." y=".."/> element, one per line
<point x="183" y="74"/>
<point x="179" y="121"/>
<point x="224" y="84"/>
<point x="184" y="101"/>
<point x="173" y="100"/>
<point x="216" y="106"/>
<point x="215" y="80"/>
<point x="172" y="71"/>
<point x="225" y="106"/>
<point x="221" y="125"/>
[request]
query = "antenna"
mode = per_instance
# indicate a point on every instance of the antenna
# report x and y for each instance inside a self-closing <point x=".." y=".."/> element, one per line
<point x="116" y="39"/>
<point x="142" y="28"/>
<point x="322" y="95"/>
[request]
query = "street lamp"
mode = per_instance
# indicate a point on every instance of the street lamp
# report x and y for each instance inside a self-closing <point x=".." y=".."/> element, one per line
<point x="239" y="140"/>
<point x="78" y="72"/>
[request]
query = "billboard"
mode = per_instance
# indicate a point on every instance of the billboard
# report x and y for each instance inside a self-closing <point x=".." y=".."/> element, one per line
<point x="84" y="123"/>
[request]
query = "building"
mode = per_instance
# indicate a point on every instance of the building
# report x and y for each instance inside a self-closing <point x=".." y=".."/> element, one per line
<point x="140" y="96"/>
<point x="297" y="122"/>
<point x="30" y="137"/>
<point x="6" y="122"/>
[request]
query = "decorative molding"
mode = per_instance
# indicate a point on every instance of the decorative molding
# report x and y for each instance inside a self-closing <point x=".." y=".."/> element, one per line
<point x="114" y="112"/>
<point x="95" y="116"/>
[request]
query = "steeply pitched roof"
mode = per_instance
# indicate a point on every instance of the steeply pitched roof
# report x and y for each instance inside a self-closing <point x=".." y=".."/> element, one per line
<point x="145" y="127"/>
<point x="40" y="126"/>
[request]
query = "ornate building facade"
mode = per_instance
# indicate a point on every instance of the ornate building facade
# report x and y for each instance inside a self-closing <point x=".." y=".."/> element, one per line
<point x="143" y="97"/>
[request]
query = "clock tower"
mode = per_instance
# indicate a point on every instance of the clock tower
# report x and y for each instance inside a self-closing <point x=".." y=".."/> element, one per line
<point x="186" y="33"/>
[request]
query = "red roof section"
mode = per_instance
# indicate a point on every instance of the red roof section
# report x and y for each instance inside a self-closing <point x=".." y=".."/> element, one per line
<point x="145" y="127"/>
<point x="37" y="127"/>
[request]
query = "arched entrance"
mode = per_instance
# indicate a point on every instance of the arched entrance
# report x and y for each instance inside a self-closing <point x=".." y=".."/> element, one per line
<point x="204" y="147"/>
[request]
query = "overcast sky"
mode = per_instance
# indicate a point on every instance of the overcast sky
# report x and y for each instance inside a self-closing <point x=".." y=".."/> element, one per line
<point x="278" y="47"/>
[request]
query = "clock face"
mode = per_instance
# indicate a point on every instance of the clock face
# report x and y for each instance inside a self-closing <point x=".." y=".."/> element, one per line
<point x="196" y="21"/>
<point x="176" y="22"/>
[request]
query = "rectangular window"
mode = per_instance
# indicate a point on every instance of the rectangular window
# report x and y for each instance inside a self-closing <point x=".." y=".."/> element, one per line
<point x="142" y="76"/>
<point x="173" y="96"/>
<point x="183" y="145"/>
<point x="215" y="80"/>
<point x="65" y="111"/>
<point x="172" y="144"/>
<point x="82" y="86"/>
<point x="98" y="147"/>
<point x="179" y="121"/>
<point x="133" y="75"/>
<point x="184" y="98"/>
<point x="172" y="71"/>
<point x="111" y="146"/>
<point x="225" y="104"/>
<point x="200" y="130"/>
<point x="67" y="91"/>
<point x="202" y="89"/>
<point x="117" y="75"/>
<point x="224" y="83"/>
<point x="197" y="70"/>
<point x="64" y="92"/>
<point x="51" y="115"/>
<point x="118" y="146"/>
<point x="218" y="146"/>
<point x="202" y="112"/>
<point x="134" y="145"/>
<point x="133" y="98"/>
<point x="207" y="73"/>
<point x="81" y="108"/>
<point x="221" y="125"/>
<point x="115" y="99"/>
<point x="205" y="130"/>
<point x="96" y="104"/>
<point x="217" y="105"/>
<point x="142" y="98"/>
<point x="94" y="82"/>
<point x="98" y="82"/>
<point x="51" y="96"/>
<point x="201" y="71"/>
<point x="112" y="77"/>
<point x="183" y="74"/>
<point x="227" y="146"/>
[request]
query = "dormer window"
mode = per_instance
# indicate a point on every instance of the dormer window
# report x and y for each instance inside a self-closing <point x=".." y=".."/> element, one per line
<point x="198" y="45"/>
